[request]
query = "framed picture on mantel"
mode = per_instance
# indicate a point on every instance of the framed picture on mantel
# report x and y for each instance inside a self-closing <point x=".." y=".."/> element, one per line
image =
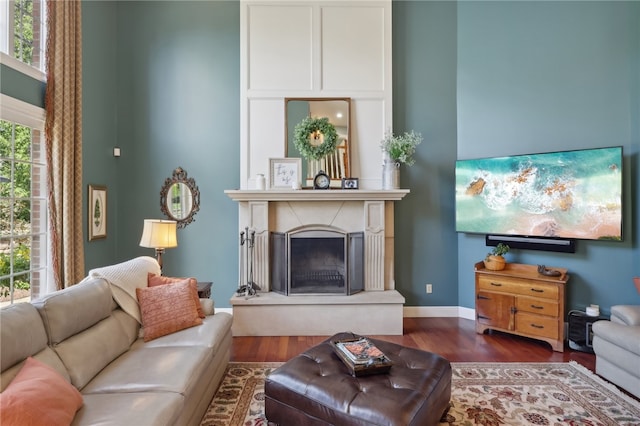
<point x="350" y="183"/>
<point x="284" y="172"/>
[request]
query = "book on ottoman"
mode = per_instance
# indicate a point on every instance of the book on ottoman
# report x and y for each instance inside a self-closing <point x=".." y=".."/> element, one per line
<point x="361" y="356"/>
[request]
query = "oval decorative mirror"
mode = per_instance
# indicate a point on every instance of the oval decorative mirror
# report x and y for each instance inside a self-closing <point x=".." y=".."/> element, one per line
<point x="180" y="198"/>
<point x="336" y="164"/>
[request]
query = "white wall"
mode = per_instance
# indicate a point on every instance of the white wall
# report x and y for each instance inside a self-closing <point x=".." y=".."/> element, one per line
<point x="314" y="49"/>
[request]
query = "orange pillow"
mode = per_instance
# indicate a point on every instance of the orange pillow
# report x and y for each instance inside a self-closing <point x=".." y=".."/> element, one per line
<point x="155" y="280"/>
<point x="38" y="395"/>
<point x="166" y="309"/>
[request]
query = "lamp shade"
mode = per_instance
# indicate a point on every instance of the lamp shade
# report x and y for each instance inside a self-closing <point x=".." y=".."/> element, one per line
<point x="159" y="234"/>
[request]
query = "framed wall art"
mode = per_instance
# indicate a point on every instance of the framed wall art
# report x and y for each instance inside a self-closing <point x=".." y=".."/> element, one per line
<point x="284" y="172"/>
<point x="97" y="212"/>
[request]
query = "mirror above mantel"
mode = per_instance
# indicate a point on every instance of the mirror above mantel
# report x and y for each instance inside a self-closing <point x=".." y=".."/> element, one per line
<point x="338" y="111"/>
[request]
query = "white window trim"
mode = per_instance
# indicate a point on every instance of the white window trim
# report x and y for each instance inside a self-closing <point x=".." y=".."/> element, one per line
<point x="21" y="112"/>
<point x="21" y="67"/>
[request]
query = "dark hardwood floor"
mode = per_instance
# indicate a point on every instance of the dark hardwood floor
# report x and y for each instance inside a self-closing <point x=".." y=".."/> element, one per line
<point x="453" y="338"/>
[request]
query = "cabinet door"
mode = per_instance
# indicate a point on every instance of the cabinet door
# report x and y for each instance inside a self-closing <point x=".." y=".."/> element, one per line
<point x="495" y="309"/>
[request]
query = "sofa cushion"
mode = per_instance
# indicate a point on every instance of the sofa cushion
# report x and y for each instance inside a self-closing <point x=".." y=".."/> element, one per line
<point x="21" y="325"/>
<point x="621" y="336"/>
<point x="39" y="396"/>
<point x="130" y="408"/>
<point x="74" y="309"/>
<point x="88" y="352"/>
<point x="22" y="334"/>
<point x="81" y="328"/>
<point x="626" y="314"/>
<point x="209" y="334"/>
<point x="162" y="369"/>
<point x="166" y="309"/>
<point x="46" y="356"/>
<point x="156" y="280"/>
<point x="130" y="326"/>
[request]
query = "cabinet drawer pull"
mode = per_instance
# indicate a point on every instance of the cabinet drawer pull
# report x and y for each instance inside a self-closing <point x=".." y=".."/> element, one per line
<point x="537" y="290"/>
<point x="537" y="326"/>
<point x="537" y="307"/>
<point x="496" y="284"/>
<point x="482" y="297"/>
<point x="483" y="317"/>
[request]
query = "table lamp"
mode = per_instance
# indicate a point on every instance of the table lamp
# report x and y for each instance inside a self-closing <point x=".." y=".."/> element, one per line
<point x="160" y="235"/>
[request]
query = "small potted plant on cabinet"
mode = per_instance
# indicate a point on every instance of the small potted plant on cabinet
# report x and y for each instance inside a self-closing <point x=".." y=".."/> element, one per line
<point x="494" y="259"/>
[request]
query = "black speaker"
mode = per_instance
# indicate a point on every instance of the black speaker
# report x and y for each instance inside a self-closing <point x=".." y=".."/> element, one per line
<point x="580" y="334"/>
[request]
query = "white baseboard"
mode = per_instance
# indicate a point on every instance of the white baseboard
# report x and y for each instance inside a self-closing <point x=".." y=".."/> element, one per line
<point x="438" y="311"/>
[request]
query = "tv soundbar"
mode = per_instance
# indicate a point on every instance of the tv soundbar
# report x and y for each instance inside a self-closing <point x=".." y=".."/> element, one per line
<point x="533" y="243"/>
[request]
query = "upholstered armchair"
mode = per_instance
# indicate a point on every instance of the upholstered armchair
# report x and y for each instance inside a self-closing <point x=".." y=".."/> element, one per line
<point x="617" y="346"/>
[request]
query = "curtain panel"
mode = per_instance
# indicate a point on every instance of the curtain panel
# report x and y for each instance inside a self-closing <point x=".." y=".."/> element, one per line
<point x="63" y="133"/>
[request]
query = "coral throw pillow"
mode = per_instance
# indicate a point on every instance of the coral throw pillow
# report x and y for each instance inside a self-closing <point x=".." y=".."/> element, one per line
<point x="166" y="309"/>
<point x="155" y="280"/>
<point x="39" y="395"/>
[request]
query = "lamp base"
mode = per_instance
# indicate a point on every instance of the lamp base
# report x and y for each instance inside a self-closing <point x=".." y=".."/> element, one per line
<point x="159" y="253"/>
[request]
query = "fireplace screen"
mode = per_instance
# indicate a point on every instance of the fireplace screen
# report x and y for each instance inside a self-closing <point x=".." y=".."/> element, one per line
<point x="317" y="261"/>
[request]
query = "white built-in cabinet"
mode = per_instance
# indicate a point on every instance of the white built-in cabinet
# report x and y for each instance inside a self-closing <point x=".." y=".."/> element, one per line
<point x="314" y="49"/>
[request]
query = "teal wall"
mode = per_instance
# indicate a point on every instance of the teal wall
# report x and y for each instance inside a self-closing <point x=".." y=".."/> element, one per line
<point x="551" y="76"/>
<point x="100" y="122"/>
<point x="178" y="90"/>
<point x="161" y="80"/>
<point x="424" y="99"/>
<point x="20" y="86"/>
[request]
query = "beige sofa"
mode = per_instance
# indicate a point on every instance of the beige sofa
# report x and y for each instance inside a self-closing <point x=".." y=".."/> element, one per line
<point x="92" y="342"/>
<point x="616" y="344"/>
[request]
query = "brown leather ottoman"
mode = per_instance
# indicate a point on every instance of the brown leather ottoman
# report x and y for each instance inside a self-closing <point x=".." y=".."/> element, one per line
<point x="315" y="388"/>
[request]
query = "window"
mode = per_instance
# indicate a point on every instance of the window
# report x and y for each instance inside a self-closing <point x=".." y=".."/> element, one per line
<point x="23" y="32"/>
<point x="23" y="202"/>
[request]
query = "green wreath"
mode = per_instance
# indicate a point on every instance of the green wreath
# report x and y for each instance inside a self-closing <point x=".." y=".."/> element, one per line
<point x="312" y="125"/>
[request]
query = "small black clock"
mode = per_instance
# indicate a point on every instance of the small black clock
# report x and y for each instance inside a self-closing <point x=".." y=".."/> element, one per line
<point x="321" y="181"/>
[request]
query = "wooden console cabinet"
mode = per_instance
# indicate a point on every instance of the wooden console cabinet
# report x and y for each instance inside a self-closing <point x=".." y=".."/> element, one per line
<point x="521" y="301"/>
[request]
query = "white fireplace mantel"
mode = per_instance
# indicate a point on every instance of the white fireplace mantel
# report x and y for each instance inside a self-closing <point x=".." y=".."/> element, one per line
<point x="317" y="195"/>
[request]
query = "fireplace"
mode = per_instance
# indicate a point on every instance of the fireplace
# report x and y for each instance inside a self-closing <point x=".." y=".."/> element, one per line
<point x="316" y="261"/>
<point x="361" y="221"/>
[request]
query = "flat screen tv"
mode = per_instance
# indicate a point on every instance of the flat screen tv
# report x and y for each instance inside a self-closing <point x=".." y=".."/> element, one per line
<point x="566" y="195"/>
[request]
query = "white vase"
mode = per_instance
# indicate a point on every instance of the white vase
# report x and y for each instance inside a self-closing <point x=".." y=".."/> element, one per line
<point x="261" y="182"/>
<point x="390" y="174"/>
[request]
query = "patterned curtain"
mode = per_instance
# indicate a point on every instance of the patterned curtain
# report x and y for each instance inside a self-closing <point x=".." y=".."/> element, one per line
<point x="63" y="132"/>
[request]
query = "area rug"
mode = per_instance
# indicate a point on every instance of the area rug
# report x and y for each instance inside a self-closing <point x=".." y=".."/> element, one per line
<point x="487" y="394"/>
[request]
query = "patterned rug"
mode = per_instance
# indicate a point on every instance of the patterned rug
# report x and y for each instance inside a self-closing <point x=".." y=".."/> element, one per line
<point x="487" y="394"/>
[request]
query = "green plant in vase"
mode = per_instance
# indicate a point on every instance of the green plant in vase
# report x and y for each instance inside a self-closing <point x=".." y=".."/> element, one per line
<point x="397" y="150"/>
<point x="400" y="149"/>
